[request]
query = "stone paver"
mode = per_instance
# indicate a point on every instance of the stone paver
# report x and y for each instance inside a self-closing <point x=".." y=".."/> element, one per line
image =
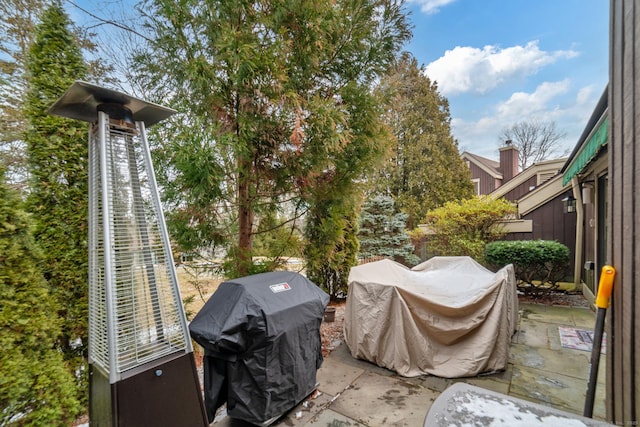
<point x="376" y="400"/>
<point x="306" y="411"/>
<point x="358" y="393"/>
<point x="568" y="362"/>
<point x="533" y="333"/>
<point x="554" y="389"/>
<point x="329" y="418"/>
<point x="335" y="376"/>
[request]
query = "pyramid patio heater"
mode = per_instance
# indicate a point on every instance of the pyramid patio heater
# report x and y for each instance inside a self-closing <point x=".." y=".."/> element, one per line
<point x="142" y="369"/>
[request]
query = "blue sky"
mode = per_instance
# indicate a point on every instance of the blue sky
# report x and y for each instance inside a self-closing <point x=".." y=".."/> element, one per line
<point x="499" y="62"/>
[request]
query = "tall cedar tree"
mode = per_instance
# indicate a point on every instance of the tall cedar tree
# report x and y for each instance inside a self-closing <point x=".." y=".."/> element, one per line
<point x="425" y="169"/>
<point x="35" y="387"/>
<point x="330" y="232"/>
<point x="335" y="200"/>
<point x="17" y="28"/>
<point x="57" y="154"/>
<point x="18" y="21"/>
<point x="272" y="88"/>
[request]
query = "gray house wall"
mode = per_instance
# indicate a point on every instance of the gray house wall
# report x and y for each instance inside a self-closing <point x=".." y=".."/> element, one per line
<point x="623" y="351"/>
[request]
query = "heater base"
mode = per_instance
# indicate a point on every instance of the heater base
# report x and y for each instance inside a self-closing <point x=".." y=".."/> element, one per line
<point x="162" y="393"/>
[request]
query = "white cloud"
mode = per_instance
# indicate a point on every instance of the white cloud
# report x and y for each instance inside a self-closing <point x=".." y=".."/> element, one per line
<point x="431" y="7"/>
<point x="584" y="94"/>
<point x="525" y="105"/>
<point x="551" y="101"/>
<point x="470" y="69"/>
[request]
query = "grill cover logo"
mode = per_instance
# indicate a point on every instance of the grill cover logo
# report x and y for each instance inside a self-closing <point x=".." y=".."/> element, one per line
<point x="280" y="287"/>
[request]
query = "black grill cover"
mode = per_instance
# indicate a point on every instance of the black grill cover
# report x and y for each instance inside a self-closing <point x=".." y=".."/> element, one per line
<point x="261" y="336"/>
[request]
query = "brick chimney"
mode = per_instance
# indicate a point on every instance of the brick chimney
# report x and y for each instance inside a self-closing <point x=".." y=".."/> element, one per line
<point x="508" y="161"/>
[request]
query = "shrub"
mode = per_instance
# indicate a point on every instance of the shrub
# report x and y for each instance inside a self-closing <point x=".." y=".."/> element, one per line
<point x="539" y="264"/>
<point x="464" y="228"/>
<point x="35" y="387"/>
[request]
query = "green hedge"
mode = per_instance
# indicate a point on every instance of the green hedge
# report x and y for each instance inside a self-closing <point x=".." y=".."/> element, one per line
<point x="36" y="389"/>
<point x="539" y="264"/>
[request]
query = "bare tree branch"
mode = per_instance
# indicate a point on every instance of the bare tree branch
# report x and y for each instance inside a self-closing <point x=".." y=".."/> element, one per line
<point x="535" y="140"/>
<point x="107" y="21"/>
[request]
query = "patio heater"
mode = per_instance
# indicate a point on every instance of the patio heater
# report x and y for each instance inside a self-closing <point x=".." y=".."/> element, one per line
<point x="142" y="369"/>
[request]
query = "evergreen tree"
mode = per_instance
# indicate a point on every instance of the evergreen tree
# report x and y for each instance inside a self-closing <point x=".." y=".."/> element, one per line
<point x="57" y="155"/>
<point x="425" y="169"/>
<point x="35" y="387"/>
<point x="382" y="232"/>
<point x="332" y="244"/>
<point x="334" y="199"/>
<point x="272" y="88"/>
<point x="18" y="20"/>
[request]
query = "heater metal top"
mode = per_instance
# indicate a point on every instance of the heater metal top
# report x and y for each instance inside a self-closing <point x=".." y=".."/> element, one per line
<point x="81" y="101"/>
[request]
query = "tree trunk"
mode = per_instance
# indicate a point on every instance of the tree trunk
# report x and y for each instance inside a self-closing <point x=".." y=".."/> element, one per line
<point x="245" y="216"/>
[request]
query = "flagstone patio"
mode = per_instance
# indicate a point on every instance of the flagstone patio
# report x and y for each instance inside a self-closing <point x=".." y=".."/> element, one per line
<point x="358" y="393"/>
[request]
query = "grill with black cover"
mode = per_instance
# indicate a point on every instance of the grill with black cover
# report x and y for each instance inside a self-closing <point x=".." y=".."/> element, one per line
<point x="261" y="337"/>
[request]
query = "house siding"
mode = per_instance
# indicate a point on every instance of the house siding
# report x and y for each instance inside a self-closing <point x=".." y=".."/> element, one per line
<point x="551" y="223"/>
<point x="487" y="181"/>
<point x="522" y="189"/>
<point x="623" y="242"/>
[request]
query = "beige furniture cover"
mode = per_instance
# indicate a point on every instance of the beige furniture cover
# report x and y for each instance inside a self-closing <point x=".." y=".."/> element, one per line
<point x="448" y="316"/>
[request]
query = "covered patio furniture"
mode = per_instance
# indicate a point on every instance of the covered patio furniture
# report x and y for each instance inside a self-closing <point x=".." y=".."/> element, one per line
<point x="448" y="316"/>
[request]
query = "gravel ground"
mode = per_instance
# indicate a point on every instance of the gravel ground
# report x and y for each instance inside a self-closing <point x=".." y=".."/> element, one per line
<point x="331" y="332"/>
<point x="573" y="299"/>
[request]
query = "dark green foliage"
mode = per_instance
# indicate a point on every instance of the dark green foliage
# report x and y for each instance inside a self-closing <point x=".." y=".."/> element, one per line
<point x="279" y="96"/>
<point x="334" y="196"/>
<point x="57" y="156"/>
<point x="190" y="170"/>
<point x="35" y="387"/>
<point x="331" y="231"/>
<point x="425" y="169"/>
<point x="17" y="28"/>
<point x="539" y="264"/>
<point x="382" y="232"/>
<point x="258" y="265"/>
<point x="18" y="21"/>
<point x="464" y="228"/>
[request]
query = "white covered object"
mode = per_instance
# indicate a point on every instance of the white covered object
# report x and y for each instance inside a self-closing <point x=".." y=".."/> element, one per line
<point x="448" y="316"/>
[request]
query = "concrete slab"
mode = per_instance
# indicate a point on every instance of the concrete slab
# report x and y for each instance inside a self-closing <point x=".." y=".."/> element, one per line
<point x="552" y="389"/>
<point x="305" y="411"/>
<point x="554" y="338"/>
<point x="300" y="415"/>
<point x="546" y="313"/>
<point x="583" y="318"/>
<point x="342" y="354"/>
<point x="573" y="363"/>
<point x="488" y="384"/>
<point x="334" y="376"/>
<point x="534" y="333"/>
<point x="375" y="400"/>
<point x="333" y="419"/>
<point x="438" y="384"/>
